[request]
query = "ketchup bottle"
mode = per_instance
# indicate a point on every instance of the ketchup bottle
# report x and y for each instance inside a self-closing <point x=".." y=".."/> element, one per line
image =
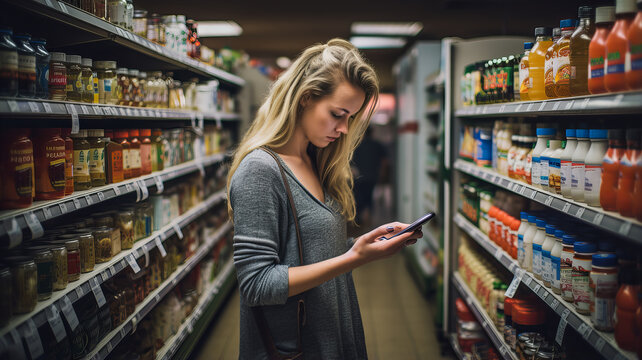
<point x="611" y="169"/>
<point x="634" y="52"/>
<point x="617" y="44"/>
<point x="626" y="178"/>
<point x="604" y="18"/>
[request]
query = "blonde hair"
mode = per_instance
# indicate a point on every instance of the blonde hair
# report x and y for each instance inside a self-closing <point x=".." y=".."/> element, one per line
<point x="316" y="73"/>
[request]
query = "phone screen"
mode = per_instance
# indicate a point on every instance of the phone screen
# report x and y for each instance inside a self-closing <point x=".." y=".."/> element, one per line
<point x="415" y="225"/>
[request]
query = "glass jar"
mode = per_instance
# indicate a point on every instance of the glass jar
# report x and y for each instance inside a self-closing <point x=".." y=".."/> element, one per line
<point x="17" y="166"/>
<point x="113" y="159"/>
<point x="42" y="68"/>
<point x="121" y="139"/>
<point x="134" y="153"/>
<point x="100" y="8"/>
<point x="5" y="299"/>
<point x="96" y="157"/>
<point x="26" y="66"/>
<point x="134" y="88"/>
<point x="123" y="86"/>
<point x="49" y="163"/>
<point x="60" y="268"/>
<point x="9" y="66"/>
<point x="157" y="150"/>
<point x="74" y="79"/>
<point x="107" y="82"/>
<point x="73" y="259"/>
<point x="139" y="224"/>
<point x="140" y="22"/>
<point x="142" y="85"/>
<point x="65" y="134"/>
<point x="117" y="12"/>
<point x="24" y="279"/>
<point x="102" y="244"/>
<point x="87" y="5"/>
<point x="152" y="31"/>
<point x="57" y="77"/>
<point x="87" y="250"/>
<point x="82" y="178"/>
<point x="87" y="80"/>
<point x="145" y="151"/>
<point x="125" y="222"/>
<point x="43" y="257"/>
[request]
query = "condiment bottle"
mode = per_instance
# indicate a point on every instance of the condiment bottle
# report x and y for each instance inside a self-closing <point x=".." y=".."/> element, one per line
<point x="69" y="161"/>
<point x="107" y="82"/>
<point x="17" y="166"/>
<point x="616" y="46"/>
<point x="536" y="60"/>
<point x="579" y="47"/>
<point x="611" y="169"/>
<point x="556" y="262"/>
<point x="547" y="247"/>
<point x="566" y="267"/>
<point x="121" y="138"/>
<point x="538" y="240"/>
<point x="566" y="163"/>
<point x="521" y="231"/>
<point x="9" y="65"/>
<point x="604" y="286"/>
<point x="134" y="153"/>
<point x="26" y="66"/>
<point x="87" y="79"/>
<point x="134" y="88"/>
<point x="578" y="168"/>
<point x="529" y="235"/>
<point x="528" y="163"/>
<point x="514" y="228"/>
<point x="593" y="166"/>
<point x="626" y="305"/>
<point x="74" y="80"/>
<point x="42" y="68"/>
<point x="49" y="161"/>
<point x="157" y="150"/>
<point x="512" y="155"/>
<point x="604" y="19"/>
<point x="637" y="189"/>
<point x="96" y="157"/>
<point x="146" y="152"/>
<point x="545" y="164"/>
<point x="582" y="260"/>
<point x="562" y="63"/>
<point x="626" y="177"/>
<point x="123" y="88"/>
<point x="524" y="73"/>
<point x="57" y="77"/>
<point x="82" y="178"/>
<point x="543" y="135"/>
<point x="634" y="52"/>
<point x="114" y="159"/>
<point x="549" y="64"/>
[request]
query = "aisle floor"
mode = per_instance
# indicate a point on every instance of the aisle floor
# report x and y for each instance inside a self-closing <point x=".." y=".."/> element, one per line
<point x="396" y="317"/>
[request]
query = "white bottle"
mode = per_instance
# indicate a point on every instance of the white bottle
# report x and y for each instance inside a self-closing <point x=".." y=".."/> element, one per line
<point x="521" y="231"/>
<point x="577" y="172"/>
<point x="593" y="166"/>
<point x="554" y="169"/>
<point x="181" y="34"/>
<point x="556" y="256"/>
<point x="538" y="240"/>
<point x="543" y="135"/>
<point x="545" y="164"/>
<point x="529" y="235"/>
<point x="547" y="246"/>
<point x="566" y="163"/>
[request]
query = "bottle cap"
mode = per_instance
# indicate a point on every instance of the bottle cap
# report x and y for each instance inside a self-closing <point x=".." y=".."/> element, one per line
<point x="73" y="59"/>
<point x="58" y="56"/>
<point x="570" y="133"/>
<point x="582" y="133"/>
<point x="598" y="134"/>
<point x="541" y="223"/>
<point x="39" y="41"/>
<point x="584" y="12"/>
<point x="22" y="36"/>
<point x="625" y="7"/>
<point x="523" y="215"/>
<point x="542" y="31"/>
<point x="604" y="260"/>
<point x="528" y="45"/>
<point x="532" y="219"/>
<point x="133" y="72"/>
<point x="557" y="32"/>
<point x="567" y="23"/>
<point x="180" y="19"/>
<point x="584" y="247"/>
<point x="86" y="62"/>
<point x="568" y="239"/>
<point x="616" y="134"/>
<point x="605" y="14"/>
<point x="143" y="75"/>
<point x="545" y="131"/>
<point x="6" y="30"/>
<point x="550" y="229"/>
<point x="515" y="224"/>
<point x="122" y="70"/>
<point x="559" y="234"/>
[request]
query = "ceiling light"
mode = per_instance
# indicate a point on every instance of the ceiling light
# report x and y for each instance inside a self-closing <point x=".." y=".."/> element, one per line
<point x="218" y="29"/>
<point x="283" y="62"/>
<point x="386" y="28"/>
<point x="374" y="42"/>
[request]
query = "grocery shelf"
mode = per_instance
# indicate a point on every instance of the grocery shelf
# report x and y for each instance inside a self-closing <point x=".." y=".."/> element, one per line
<point x="628" y="228"/>
<point x="29" y="220"/>
<point x="21" y="107"/>
<point x="454" y="344"/>
<point x="174" y="342"/>
<point x="604" y="343"/>
<point x="483" y="318"/>
<point x="106" y="346"/>
<point x="91" y="32"/>
<point x="629" y="102"/>
<point x="105" y="271"/>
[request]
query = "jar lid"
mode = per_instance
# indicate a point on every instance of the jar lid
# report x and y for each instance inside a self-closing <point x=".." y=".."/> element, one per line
<point x="143" y="75"/>
<point x="122" y="70"/>
<point x="541" y="223"/>
<point x="604" y="260"/>
<point x="110" y="64"/>
<point x="72" y="244"/>
<point x="545" y="131"/>
<point x="542" y="31"/>
<point x="550" y="229"/>
<point x="557" y="32"/>
<point x="625" y="7"/>
<point x="100" y="64"/>
<point x="133" y="133"/>
<point x="598" y="134"/>
<point x="87" y="62"/>
<point x="180" y="19"/>
<point x="528" y="45"/>
<point x="80" y="134"/>
<point x="583" y="247"/>
<point x="96" y="133"/>
<point x="73" y="59"/>
<point x="146" y="132"/>
<point x="58" y="56"/>
<point x="22" y="36"/>
<point x="582" y="133"/>
<point x="133" y="72"/>
<point x="157" y="132"/>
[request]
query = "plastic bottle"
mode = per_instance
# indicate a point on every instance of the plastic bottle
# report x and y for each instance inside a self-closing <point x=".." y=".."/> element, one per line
<point x="121" y="138"/>
<point x="528" y="163"/>
<point x="580" y="41"/>
<point x="611" y="169"/>
<point x="593" y="166"/>
<point x="554" y="166"/>
<point x="634" y="52"/>
<point x="9" y="65"/>
<point x="42" y="68"/>
<point x="536" y="60"/>
<point x="514" y="229"/>
<point x="529" y="235"/>
<point x="547" y="246"/>
<point x="181" y="34"/>
<point x="521" y="231"/>
<point x="49" y="163"/>
<point x="134" y="153"/>
<point x="525" y="83"/>
<point x="562" y="62"/>
<point x="556" y="262"/>
<point x="626" y="178"/>
<point x="604" y="19"/>
<point x="582" y="261"/>
<point x="566" y="163"/>
<point x="577" y="172"/>
<point x="549" y="64"/>
<point x="566" y="267"/>
<point x="616" y="46"/>
<point x="626" y="302"/>
<point x="538" y="240"/>
<point x="604" y="288"/>
<point x="512" y="155"/>
<point x="145" y="151"/>
<point x="26" y="66"/>
<point x="543" y="135"/>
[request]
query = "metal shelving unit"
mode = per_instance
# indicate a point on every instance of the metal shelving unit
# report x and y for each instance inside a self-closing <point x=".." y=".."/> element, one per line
<point x="454" y="344"/>
<point x="629" y="102"/>
<point x="103" y="272"/>
<point x="28" y="221"/>
<point x="603" y="343"/>
<point x="610" y="221"/>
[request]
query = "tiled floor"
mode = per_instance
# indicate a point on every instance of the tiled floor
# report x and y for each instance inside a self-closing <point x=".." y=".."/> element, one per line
<point x="396" y="317"/>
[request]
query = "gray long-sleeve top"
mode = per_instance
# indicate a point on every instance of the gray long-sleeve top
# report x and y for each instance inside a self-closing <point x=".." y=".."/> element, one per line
<point x="265" y="245"/>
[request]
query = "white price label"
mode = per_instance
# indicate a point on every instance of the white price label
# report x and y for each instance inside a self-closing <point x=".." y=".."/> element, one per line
<point x="105" y="275"/>
<point x="101" y="196"/>
<point x="129" y="187"/>
<point x="133" y="264"/>
<point x="566" y="207"/>
<point x="98" y="293"/>
<point x="498" y="254"/>
<point x="569" y="104"/>
<point x="84" y="109"/>
<point x="542" y="106"/>
<point x="549" y="201"/>
<point x="116" y="191"/>
<point x="599" y="344"/>
<point x="556" y="105"/>
<point x="561" y="328"/>
<point x="89" y="200"/>
<point x="512" y="267"/>
<point x="13" y="106"/>
<point x="528" y="280"/>
<point x="201" y="168"/>
<point x="554" y="304"/>
<point x="77" y="204"/>
<point x="625" y="228"/>
<point x="161" y="248"/>
<point x="130" y="112"/>
<point x="512" y="288"/>
<point x="522" y="190"/>
<point x="17" y="345"/>
<point x="47" y="213"/>
<point x="55" y="321"/>
<point x="48" y="2"/>
<point x="189" y="327"/>
<point x="146" y="255"/>
<point x="34" y="225"/>
<point x="32" y="338"/>
<point x="63" y="8"/>
<point x="585" y="331"/>
<point x="109" y="347"/>
<point x="159" y="184"/>
<point x="536" y="289"/>
<point x="597" y="220"/>
<point x="122" y="112"/>
<point x="144" y="190"/>
<point x="80" y="292"/>
<point x="34" y="107"/>
<point x="47" y="107"/>
<point x="544" y="295"/>
<point x="519" y="108"/>
<point x="585" y="103"/>
<point x="502" y="108"/>
<point x="530" y="107"/>
<point x="63" y="208"/>
<point x="14" y="232"/>
<point x="75" y="124"/>
<point x="533" y="194"/>
<point x="69" y="313"/>
<point x="97" y="110"/>
<point x="123" y="333"/>
<point x="580" y="212"/>
<point x="178" y="231"/>
<point x="618" y="99"/>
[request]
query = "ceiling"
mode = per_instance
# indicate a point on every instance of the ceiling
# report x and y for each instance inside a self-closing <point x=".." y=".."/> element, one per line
<point x="284" y="28"/>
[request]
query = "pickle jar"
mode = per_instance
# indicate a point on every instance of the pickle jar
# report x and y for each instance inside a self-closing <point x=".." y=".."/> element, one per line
<point x="82" y="149"/>
<point x="87" y="78"/>
<point x="102" y="244"/>
<point x="107" y="82"/>
<point x="43" y="257"/>
<point x="125" y="222"/>
<point x="60" y="272"/>
<point x="134" y="88"/>
<point x="123" y="87"/>
<point x="5" y="299"/>
<point x="24" y="280"/>
<point x="87" y="250"/>
<point x="74" y="78"/>
<point x="73" y="259"/>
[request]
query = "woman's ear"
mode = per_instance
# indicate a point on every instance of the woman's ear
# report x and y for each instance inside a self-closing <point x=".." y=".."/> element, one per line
<point x="305" y="100"/>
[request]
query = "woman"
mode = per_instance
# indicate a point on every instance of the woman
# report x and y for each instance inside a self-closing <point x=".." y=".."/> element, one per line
<point x="297" y="294"/>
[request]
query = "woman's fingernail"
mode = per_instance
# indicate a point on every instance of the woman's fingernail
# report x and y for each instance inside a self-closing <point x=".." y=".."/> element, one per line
<point x="390" y="229"/>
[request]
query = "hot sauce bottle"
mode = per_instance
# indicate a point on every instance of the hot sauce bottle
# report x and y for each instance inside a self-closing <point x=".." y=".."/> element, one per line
<point x="49" y="160"/>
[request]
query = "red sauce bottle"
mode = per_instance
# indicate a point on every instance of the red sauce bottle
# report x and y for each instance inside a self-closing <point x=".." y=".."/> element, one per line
<point x="134" y="153"/>
<point x="49" y="160"/>
<point x="17" y="168"/>
<point x="634" y="52"/>
<point x="114" y="172"/>
<point x="145" y="151"/>
<point x="604" y="18"/>
<point x="611" y="169"/>
<point x="121" y="138"/>
<point x="69" y="161"/>
<point x="617" y="44"/>
<point x="626" y="179"/>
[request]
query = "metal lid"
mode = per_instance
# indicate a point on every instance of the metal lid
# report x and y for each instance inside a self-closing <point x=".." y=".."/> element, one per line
<point x="122" y="70"/>
<point x="605" y="14"/>
<point x="625" y="6"/>
<point x="58" y="56"/>
<point x="13" y="261"/>
<point x="86" y="62"/>
<point x="542" y="31"/>
<point x="584" y="12"/>
<point x="133" y="72"/>
<point x="73" y="59"/>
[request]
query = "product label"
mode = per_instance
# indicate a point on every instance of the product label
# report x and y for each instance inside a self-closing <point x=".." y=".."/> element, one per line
<point x="116" y="165"/>
<point x="537" y="259"/>
<point x="604" y="287"/>
<point x="97" y="161"/>
<point x="42" y="76"/>
<point x="21" y="161"/>
<point x="535" y="173"/>
<point x="563" y="66"/>
<point x="549" y="72"/>
<point x="554" y="175"/>
<point x="566" y="274"/>
<point x="596" y="67"/>
<point x="524" y="77"/>
<point x="57" y="78"/>
<point x="134" y="158"/>
<point x="581" y="288"/>
<point x="8" y="61"/>
<point x="555" y="271"/>
<point x="126" y="164"/>
<point x="634" y="56"/>
<point x="566" y="168"/>
<point x="577" y="176"/>
<point x="615" y="63"/>
<point x="543" y="170"/>
<point x="146" y="158"/>
<point x="56" y="166"/>
<point x="81" y="162"/>
<point x="520" y="249"/>
<point x="547" y="266"/>
<point x="27" y="63"/>
<point x="592" y="179"/>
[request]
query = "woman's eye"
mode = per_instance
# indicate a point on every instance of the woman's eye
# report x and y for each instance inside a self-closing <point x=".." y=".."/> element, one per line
<point x="335" y="115"/>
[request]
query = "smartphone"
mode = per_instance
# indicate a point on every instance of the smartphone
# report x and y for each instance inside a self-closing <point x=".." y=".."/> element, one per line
<point x="415" y="225"/>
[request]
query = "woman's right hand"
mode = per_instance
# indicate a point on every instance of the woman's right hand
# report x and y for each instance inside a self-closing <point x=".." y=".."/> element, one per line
<point x="373" y="246"/>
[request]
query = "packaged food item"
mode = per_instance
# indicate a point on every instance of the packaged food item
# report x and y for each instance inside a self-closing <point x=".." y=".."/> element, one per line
<point x="543" y="135"/>
<point x="536" y="59"/>
<point x="157" y="150"/>
<point x="611" y="169"/>
<point x="96" y="157"/>
<point x="18" y="166"/>
<point x="87" y="250"/>
<point x="562" y="62"/>
<point x="538" y="240"/>
<point x="73" y="259"/>
<point x="43" y="258"/>
<point x="556" y="259"/>
<point x="65" y="133"/>
<point x="107" y="82"/>
<point x="626" y="304"/>
<point x="49" y="161"/>
<point x="122" y="140"/>
<point x="547" y="247"/>
<point x="566" y="267"/>
<point x="75" y="89"/>
<point x="566" y="163"/>
<point x="60" y="271"/>
<point x="604" y="287"/>
<point x="82" y="150"/>
<point x="634" y="52"/>
<point x="26" y="66"/>
<point x="626" y="179"/>
<point x="593" y="166"/>
<point x="102" y="244"/>
<point x="113" y="159"/>
<point x="580" y="41"/>
<point x="57" y="77"/>
<point x="616" y="46"/>
<point x="582" y="261"/>
<point x="124" y="86"/>
<point x="24" y="278"/>
<point x="578" y="167"/>
<point x="604" y="19"/>
<point x="9" y="73"/>
<point x="529" y="235"/>
<point x="125" y="222"/>
<point x="145" y="151"/>
<point x="546" y="170"/>
<point x="549" y="64"/>
<point x="134" y="153"/>
<point x="87" y="80"/>
<point x="42" y="67"/>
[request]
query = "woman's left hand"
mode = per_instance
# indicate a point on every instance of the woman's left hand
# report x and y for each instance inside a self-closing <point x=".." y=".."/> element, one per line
<point x="374" y="245"/>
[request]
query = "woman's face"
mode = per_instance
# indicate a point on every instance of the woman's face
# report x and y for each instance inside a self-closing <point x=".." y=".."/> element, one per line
<point x="324" y="120"/>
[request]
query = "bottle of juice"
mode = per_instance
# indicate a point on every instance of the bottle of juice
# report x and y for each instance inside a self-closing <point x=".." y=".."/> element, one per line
<point x="549" y="64"/>
<point x="611" y="169"/>
<point x="616" y="46"/>
<point x="626" y="302"/>
<point x="562" y="62"/>
<point x="634" y="53"/>
<point x="536" y="60"/>
<point x="626" y="179"/>
<point x="525" y="83"/>
<point x="604" y="19"/>
<point x="580" y="41"/>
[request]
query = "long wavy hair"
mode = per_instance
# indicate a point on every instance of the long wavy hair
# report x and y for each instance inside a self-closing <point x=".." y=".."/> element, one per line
<point x="316" y="73"/>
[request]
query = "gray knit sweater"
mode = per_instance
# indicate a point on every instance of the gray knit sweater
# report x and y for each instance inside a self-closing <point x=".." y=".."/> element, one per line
<point x="265" y="245"/>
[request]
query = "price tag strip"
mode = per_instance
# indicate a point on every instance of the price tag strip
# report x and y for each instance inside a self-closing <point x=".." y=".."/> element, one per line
<point x="178" y="231"/>
<point x="133" y="264"/>
<point x="55" y="321"/>
<point x="159" y="184"/>
<point x="32" y="338"/>
<point x="98" y="292"/>
<point x="13" y="231"/>
<point x="69" y="313"/>
<point x="517" y="279"/>
<point x="561" y="327"/>
<point x="161" y="248"/>
<point x="34" y="225"/>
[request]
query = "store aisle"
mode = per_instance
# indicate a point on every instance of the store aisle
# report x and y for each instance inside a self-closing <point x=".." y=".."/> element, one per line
<point x="396" y="317"/>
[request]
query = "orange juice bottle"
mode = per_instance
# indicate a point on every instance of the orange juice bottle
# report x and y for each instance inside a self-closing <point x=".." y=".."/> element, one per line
<point x="604" y="19"/>
<point x="611" y="169"/>
<point x="549" y="64"/>
<point x="562" y="62"/>
<point x="634" y="52"/>
<point x="536" y="60"/>
<point x="580" y="41"/>
<point x="616" y="45"/>
<point x="525" y="83"/>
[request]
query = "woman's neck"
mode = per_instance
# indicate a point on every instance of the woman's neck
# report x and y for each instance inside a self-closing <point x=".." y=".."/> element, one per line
<point x="297" y="146"/>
